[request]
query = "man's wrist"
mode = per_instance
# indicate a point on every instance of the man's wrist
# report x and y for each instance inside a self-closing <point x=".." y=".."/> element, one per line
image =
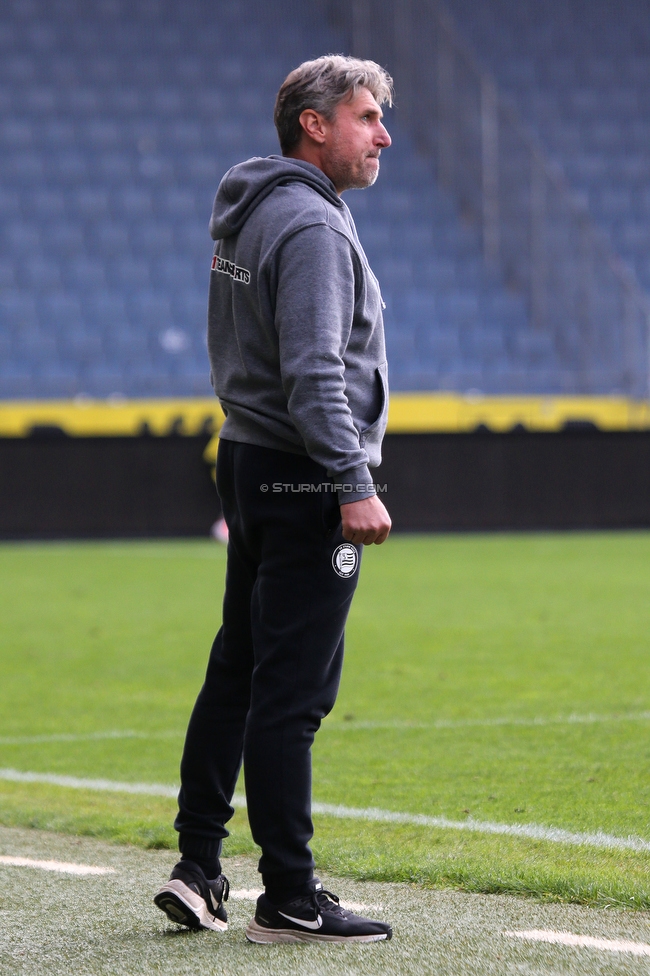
<point x="354" y="485"/>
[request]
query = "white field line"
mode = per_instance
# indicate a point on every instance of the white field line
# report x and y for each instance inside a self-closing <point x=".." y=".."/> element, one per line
<point x="26" y="740"/>
<point x="555" y="835"/>
<point x="583" y="941"/>
<point x="357" y="906"/>
<point x="531" y="831"/>
<point x="75" y="783"/>
<point x="63" y="867"/>
<point x="469" y="723"/>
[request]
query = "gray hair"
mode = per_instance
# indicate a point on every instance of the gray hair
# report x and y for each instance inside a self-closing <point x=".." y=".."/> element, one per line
<point x="321" y="85"/>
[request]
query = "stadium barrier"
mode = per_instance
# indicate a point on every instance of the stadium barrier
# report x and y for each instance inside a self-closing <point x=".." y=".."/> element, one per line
<point x="58" y="487"/>
<point x="581" y="478"/>
<point x="93" y="469"/>
<point x="439" y="412"/>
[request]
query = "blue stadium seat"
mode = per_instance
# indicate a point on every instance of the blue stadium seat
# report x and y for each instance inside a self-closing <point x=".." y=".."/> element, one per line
<point x="60" y="311"/>
<point x="53" y="134"/>
<point x="66" y="166"/>
<point x="9" y="203"/>
<point x="596" y="62"/>
<point x="110" y="237"/>
<point x="634" y="237"/>
<point x="16" y="134"/>
<point x="614" y="203"/>
<point x="57" y="380"/>
<point x="21" y="237"/>
<point x="45" y="204"/>
<point x="64" y="237"/>
<point x="18" y="380"/>
<point x="605" y="135"/>
<point x="34" y="345"/>
<point x="40" y="273"/>
<point x="17" y="310"/>
<point x="39" y="100"/>
<point x="103" y="379"/>
<point x="88" y="202"/>
<point x="101" y="134"/>
<point x="128" y="273"/>
<point x="115" y="167"/>
<point x="84" y="274"/>
<point x="127" y="343"/>
<point x="440" y="346"/>
<point x="177" y="271"/>
<point x="186" y="135"/>
<point x="116" y="125"/>
<point x="532" y="347"/>
<point x="634" y="168"/>
<point x="178" y="201"/>
<point x="22" y="167"/>
<point x="105" y="309"/>
<point x="82" y="346"/>
<point x="82" y="101"/>
<point x="401" y="346"/>
<point x="152" y="237"/>
<point x="7" y="275"/>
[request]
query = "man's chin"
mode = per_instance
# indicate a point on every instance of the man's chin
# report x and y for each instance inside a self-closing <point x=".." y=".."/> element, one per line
<point x="368" y="176"/>
<point x="372" y="176"/>
<point x="359" y="179"/>
<point x="368" y="180"/>
<point x="372" y="168"/>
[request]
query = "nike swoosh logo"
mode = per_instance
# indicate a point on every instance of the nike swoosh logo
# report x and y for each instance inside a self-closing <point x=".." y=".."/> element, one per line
<point x="305" y="923"/>
<point x="215" y="903"/>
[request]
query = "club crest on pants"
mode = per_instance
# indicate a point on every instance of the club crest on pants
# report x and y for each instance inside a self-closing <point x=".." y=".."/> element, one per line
<point x="345" y="560"/>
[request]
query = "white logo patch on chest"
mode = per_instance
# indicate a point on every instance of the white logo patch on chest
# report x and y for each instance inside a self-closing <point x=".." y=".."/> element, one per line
<point x="227" y="267"/>
<point x="345" y="560"/>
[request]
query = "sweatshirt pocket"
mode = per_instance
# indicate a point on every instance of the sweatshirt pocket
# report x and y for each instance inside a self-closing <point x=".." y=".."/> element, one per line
<point x="382" y="374"/>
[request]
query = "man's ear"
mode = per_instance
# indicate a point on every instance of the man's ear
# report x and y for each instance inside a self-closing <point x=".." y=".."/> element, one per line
<point x="314" y="125"/>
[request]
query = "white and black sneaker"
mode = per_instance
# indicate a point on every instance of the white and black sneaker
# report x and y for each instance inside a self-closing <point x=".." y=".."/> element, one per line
<point x="313" y="917"/>
<point x="190" y="899"/>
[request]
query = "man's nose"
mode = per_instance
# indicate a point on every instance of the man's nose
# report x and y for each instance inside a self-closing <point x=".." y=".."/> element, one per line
<point x="383" y="140"/>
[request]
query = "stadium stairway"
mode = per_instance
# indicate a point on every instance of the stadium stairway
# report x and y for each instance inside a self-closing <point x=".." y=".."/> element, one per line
<point x="579" y="74"/>
<point x="118" y="120"/>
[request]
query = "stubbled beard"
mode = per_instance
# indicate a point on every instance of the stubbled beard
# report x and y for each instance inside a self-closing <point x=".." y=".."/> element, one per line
<point x="346" y="176"/>
<point x="366" y="178"/>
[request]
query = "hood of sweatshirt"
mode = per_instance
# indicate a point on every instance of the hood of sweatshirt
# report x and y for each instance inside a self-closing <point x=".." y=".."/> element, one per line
<point x="245" y="186"/>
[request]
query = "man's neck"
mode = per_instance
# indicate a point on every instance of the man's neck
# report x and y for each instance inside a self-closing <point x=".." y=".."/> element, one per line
<point x="313" y="155"/>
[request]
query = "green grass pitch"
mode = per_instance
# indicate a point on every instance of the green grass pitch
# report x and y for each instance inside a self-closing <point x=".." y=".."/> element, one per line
<point x="455" y="645"/>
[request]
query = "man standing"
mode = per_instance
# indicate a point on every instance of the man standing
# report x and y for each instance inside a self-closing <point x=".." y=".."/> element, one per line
<point x="296" y="346"/>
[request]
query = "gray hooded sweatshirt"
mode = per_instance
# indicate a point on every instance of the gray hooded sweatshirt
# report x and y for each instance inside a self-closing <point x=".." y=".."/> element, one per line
<point x="295" y="330"/>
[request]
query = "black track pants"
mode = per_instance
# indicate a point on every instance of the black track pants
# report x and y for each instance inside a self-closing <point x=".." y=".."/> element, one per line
<point x="275" y="664"/>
